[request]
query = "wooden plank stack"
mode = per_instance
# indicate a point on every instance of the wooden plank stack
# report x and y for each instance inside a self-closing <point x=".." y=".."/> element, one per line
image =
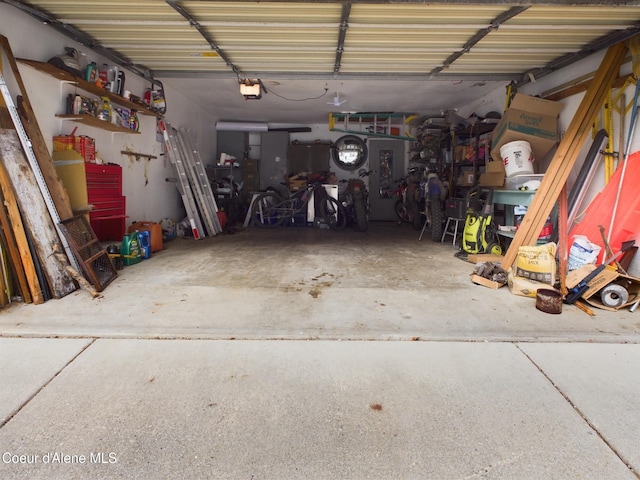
<point x="567" y="153"/>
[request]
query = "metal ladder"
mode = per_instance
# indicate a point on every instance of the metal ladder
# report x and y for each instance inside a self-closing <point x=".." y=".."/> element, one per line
<point x="199" y="182"/>
<point x="203" y="178"/>
<point x="182" y="182"/>
<point x="35" y="166"/>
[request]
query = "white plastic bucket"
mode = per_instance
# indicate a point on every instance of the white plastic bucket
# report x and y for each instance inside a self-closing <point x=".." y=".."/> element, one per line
<point x="517" y="158"/>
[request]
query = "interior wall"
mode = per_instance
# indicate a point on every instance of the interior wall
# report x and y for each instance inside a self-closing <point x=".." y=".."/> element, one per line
<point x="321" y="133"/>
<point x="149" y="196"/>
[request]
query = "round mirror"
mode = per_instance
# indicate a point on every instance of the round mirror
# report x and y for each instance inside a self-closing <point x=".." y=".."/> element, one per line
<point x="349" y="152"/>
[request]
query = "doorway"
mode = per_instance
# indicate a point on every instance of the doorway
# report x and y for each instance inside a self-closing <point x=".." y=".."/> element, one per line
<point x="386" y="160"/>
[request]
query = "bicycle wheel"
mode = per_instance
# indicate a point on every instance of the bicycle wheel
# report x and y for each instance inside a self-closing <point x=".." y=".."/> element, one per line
<point x="402" y="212"/>
<point x="332" y="214"/>
<point x="268" y="210"/>
<point x="360" y="211"/>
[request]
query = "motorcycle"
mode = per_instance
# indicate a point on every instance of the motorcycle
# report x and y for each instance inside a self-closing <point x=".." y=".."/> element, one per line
<point x="406" y="197"/>
<point x="434" y="192"/>
<point x="355" y="201"/>
<point x="413" y="197"/>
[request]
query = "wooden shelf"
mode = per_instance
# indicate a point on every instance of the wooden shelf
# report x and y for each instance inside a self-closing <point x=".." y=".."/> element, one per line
<point x="97" y="123"/>
<point x="65" y="76"/>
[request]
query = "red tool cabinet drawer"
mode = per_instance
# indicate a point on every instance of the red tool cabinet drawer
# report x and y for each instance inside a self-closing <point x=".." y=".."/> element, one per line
<point x="103" y="180"/>
<point x="107" y="218"/>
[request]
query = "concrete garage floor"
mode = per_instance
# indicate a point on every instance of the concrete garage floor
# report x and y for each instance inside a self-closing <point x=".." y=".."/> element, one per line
<point x="417" y="373"/>
<point x="309" y="283"/>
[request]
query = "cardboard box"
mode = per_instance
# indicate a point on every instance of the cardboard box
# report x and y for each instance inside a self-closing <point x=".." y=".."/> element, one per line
<point x="531" y="119"/>
<point x="494" y="175"/>
<point x="296" y="182"/>
<point x="484" y="257"/>
<point x="460" y="153"/>
<point x="467" y="178"/>
<point x="606" y="277"/>
<point x="477" y="279"/>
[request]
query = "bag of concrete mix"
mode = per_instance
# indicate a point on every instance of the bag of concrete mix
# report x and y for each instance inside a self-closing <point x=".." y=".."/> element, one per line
<point x="523" y="286"/>
<point x="537" y="263"/>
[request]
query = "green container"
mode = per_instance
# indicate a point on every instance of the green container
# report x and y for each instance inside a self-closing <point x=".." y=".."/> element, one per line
<point x="130" y="251"/>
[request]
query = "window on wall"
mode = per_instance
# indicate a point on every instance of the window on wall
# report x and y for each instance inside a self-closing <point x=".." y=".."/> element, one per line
<point x="385" y="169"/>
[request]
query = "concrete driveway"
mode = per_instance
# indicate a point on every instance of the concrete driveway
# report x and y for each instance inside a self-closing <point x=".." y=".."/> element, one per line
<point x="290" y="355"/>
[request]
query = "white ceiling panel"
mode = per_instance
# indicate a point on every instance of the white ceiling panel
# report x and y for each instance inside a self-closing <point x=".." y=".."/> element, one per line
<point x="344" y="45"/>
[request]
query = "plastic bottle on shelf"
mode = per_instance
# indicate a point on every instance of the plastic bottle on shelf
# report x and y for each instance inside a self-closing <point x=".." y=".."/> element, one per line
<point x="91" y="73"/>
<point x="103" y="76"/>
<point x="120" y="83"/>
<point x="105" y="113"/>
<point x="112" y="78"/>
<point x="77" y="104"/>
<point x="134" y="124"/>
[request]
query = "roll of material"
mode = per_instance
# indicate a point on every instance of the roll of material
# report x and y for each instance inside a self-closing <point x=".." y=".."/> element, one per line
<point x="614" y="295"/>
<point x="242" y="127"/>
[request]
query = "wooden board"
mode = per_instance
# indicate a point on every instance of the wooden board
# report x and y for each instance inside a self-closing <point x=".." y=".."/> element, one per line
<point x="38" y="143"/>
<point x="13" y="257"/>
<point x="22" y="255"/>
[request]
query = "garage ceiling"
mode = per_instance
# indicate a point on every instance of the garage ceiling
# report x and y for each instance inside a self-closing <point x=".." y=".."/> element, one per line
<point x="409" y="56"/>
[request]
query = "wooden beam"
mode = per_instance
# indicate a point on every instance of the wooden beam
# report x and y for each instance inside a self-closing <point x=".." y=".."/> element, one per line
<point x="38" y="143"/>
<point x="566" y="154"/>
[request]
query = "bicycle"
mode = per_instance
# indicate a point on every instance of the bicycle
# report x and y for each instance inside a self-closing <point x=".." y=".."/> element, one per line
<point x="271" y="209"/>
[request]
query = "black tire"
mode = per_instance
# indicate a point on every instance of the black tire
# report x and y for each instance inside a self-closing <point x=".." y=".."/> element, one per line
<point x="402" y="212"/>
<point x="416" y="216"/>
<point x="267" y="210"/>
<point x="332" y="214"/>
<point x="436" y="218"/>
<point x="360" y="212"/>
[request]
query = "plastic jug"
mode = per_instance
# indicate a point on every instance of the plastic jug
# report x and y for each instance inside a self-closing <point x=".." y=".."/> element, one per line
<point x="145" y="243"/>
<point x="130" y="249"/>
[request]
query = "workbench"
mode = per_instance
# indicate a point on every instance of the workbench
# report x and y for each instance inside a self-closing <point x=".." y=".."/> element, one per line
<point x="510" y="198"/>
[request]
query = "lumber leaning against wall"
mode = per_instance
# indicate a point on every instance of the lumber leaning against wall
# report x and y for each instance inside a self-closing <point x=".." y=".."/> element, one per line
<point x="38" y="143"/>
<point x="34" y="213"/>
<point x="16" y="242"/>
<point x="567" y="153"/>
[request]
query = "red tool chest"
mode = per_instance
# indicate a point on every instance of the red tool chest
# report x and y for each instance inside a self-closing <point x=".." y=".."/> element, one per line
<point x="104" y="190"/>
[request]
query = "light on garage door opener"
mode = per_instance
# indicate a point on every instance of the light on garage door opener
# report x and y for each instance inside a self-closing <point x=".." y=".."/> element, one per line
<point x="251" y="89"/>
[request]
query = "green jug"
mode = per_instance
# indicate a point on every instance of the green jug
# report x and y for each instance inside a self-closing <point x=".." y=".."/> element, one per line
<point x="130" y="251"/>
